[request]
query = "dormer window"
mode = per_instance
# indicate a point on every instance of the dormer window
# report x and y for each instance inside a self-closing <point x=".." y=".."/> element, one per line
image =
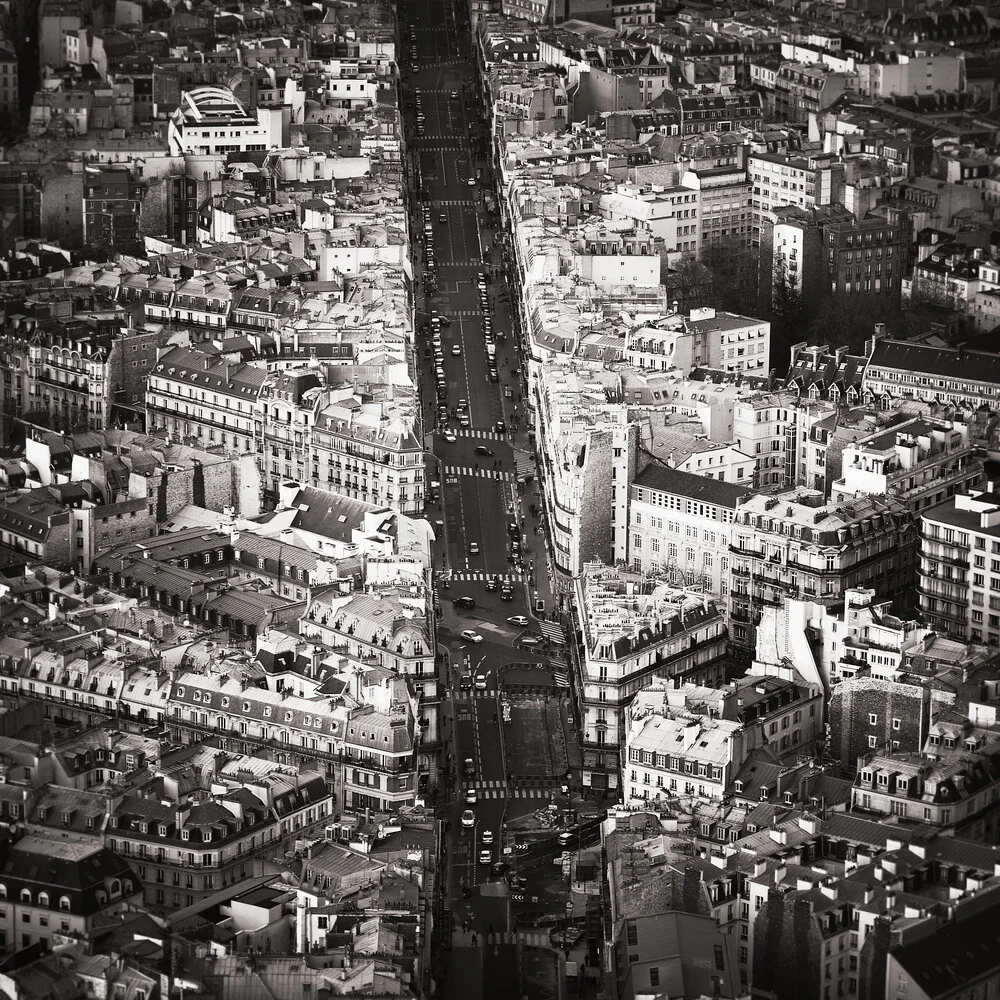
<point x="197" y="696"/>
<point x="206" y="699"/>
<point x="246" y="706"/>
<point x="288" y="716"/>
<point x="208" y="836"/>
<point x="185" y="834"/>
<point x="267" y="712"/>
<point x="163" y="829"/>
<point x="883" y="778"/>
<point x="738" y="786"/>
<point x="225" y="703"/>
<point x="764" y="793"/>
<point x="866" y="776"/>
<point x="180" y="692"/>
<point x="143" y="828"/>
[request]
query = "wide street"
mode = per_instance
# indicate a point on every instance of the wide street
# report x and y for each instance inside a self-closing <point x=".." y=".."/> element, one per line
<point x="477" y="446"/>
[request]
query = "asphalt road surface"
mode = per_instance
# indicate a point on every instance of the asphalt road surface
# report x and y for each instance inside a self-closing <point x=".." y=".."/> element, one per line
<point x="474" y="466"/>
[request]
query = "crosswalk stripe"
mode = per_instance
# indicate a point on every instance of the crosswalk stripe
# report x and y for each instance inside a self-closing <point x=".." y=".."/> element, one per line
<point x="472" y="432"/>
<point x="459" y="203"/>
<point x="481" y="576"/>
<point x="501" y="793"/>
<point x="552" y="631"/>
<point x="465" y="470"/>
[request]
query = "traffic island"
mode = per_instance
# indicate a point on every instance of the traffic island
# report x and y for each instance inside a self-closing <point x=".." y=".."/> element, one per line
<point x="534" y="741"/>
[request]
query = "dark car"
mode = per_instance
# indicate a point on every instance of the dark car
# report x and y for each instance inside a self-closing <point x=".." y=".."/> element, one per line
<point x="492" y="583"/>
<point x="481" y="449"/>
<point x="507" y="593"/>
<point x="500" y="427"/>
<point x="464" y="602"/>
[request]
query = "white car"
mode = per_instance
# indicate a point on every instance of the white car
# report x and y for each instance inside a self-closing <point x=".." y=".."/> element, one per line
<point x="485" y="857"/>
<point x="471" y="182"/>
<point x="451" y="437"/>
<point x="471" y="798"/>
<point x="486" y="837"/>
<point x="470" y="636"/>
<point x="518" y="620"/>
<point x="456" y="350"/>
<point x="468" y="819"/>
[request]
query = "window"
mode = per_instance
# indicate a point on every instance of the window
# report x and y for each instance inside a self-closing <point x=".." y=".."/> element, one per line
<point x="872" y="719"/>
<point x="64" y="902"/>
<point x="654" y="977"/>
<point x="632" y="933"/>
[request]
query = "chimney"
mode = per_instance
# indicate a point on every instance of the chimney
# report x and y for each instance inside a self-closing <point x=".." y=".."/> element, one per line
<point x="208" y="361"/>
<point x="779" y="874"/>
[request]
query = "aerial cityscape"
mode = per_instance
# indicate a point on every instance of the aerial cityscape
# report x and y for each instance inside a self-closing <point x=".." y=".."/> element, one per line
<point x="500" y="499"/>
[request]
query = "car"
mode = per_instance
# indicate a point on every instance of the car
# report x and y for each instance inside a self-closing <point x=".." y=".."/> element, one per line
<point x="481" y="681"/>
<point x="470" y="635"/>
<point x="486" y="837"/>
<point x="481" y="449"/>
<point x="469" y="767"/>
<point x="499" y="427"/>
<point x="492" y="583"/>
<point x="531" y="641"/>
<point x="456" y="350"/>
<point x="464" y="602"/>
<point x="567" y="837"/>
<point x="507" y="593"/>
<point x="471" y="181"/>
<point x="464" y="421"/>
<point x="473" y="548"/>
<point x="468" y="819"/>
<point x="445" y="321"/>
<point x="443" y="218"/>
<point x="519" y="620"/>
<point x="465" y="682"/>
<point x="471" y="798"/>
<point x="512" y="529"/>
<point x="486" y="857"/>
<point x="450" y="436"/>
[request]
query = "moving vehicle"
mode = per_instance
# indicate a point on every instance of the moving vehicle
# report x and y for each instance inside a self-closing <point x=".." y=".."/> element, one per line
<point x="507" y="592"/>
<point x="464" y="602"/>
<point x="492" y="583"/>
<point x="456" y="350"/>
<point x="470" y="635"/>
<point x="471" y="797"/>
<point x="468" y="819"/>
<point x="481" y="449"/>
<point x="443" y="218"/>
<point x="481" y="680"/>
<point x="469" y="767"/>
<point x="518" y="620"/>
<point x="473" y="548"/>
<point x="485" y="857"/>
<point x="486" y="837"/>
<point x="465" y="682"/>
<point x="450" y="436"/>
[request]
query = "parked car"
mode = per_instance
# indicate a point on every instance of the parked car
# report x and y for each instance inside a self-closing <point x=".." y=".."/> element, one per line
<point x="518" y="620"/>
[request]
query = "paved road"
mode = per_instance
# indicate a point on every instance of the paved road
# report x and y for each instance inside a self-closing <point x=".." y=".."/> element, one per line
<point x="477" y="493"/>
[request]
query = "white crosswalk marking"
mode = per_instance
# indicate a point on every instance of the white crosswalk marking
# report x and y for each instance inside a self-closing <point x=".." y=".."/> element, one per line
<point x="561" y="679"/>
<point x="481" y="576"/>
<point x="552" y="631"/>
<point x="465" y="470"/>
<point x="459" y="203"/>
<point x="495" y="789"/>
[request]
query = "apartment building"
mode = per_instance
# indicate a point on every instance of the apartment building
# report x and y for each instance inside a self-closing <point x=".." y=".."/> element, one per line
<point x="587" y="447"/>
<point x="801" y="89"/>
<point x="900" y="370"/>
<point x="67" y="372"/>
<point x="959" y="573"/>
<point x="112" y="205"/>
<point x="766" y="427"/>
<point x="52" y="889"/>
<point x="690" y="743"/>
<point x="805" y="181"/>
<point x="824" y="250"/>
<point x="679" y="527"/>
<point x="951" y="785"/>
<point x="635" y="630"/>
<point x="392" y="630"/>
<point x="706" y="337"/>
<point x="795" y="543"/>
<point x="704" y="110"/>
<point x="366" y="746"/>
<point x="919" y="462"/>
<point x="188" y="849"/>
<point x="367" y="445"/>
<point x="194" y="395"/>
